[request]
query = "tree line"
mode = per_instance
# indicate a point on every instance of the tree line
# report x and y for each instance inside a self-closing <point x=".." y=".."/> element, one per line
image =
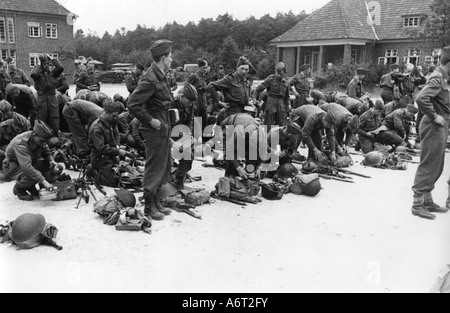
<point x="220" y="41"/>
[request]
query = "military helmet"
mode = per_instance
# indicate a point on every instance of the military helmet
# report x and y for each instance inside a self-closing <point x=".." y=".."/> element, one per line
<point x="287" y="171"/>
<point x="374" y="158"/>
<point x="401" y="149"/>
<point x="27" y="227"/>
<point x="53" y="143"/>
<point x="312" y="188"/>
<point x="126" y="197"/>
<point x="271" y="192"/>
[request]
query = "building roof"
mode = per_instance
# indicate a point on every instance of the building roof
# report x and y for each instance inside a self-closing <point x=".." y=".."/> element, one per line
<point x="34" y="6"/>
<point x="347" y="19"/>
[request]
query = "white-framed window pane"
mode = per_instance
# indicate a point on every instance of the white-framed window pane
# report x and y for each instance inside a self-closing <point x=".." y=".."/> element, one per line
<point x="34" y="59"/>
<point x="11" y="30"/>
<point x="414" y="52"/>
<point x="13" y="54"/>
<point x="4" y="54"/>
<point x="51" y="31"/>
<point x="2" y="30"/>
<point x="54" y="56"/>
<point x="34" y="29"/>
<point x="307" y="59"/>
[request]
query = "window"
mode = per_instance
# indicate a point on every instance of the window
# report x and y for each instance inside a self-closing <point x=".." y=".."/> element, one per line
<point x="411" y="22"/>
<point x="354" y="55"/>
<point x="2" y="30"/>
<point x="4" y="54"/>
<point x="381" y="61"/>
<point x="34" y="30"/>
<point x="307" y="59"/>
<point x="54" y="56"/>
<point x="11" y="31"/>
<point x="391" y="56"/>
<point x="13" y="54"/>
<point x="51" y="31"/>
<point x="34" y="59"/>
<point x="413" y="56"/>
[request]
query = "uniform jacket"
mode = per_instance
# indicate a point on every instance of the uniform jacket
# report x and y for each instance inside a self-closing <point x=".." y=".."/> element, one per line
<point x="368" y="122"/>
<point x="434" y="99"/>
<point x="355" y="88"/>
<point x="19" y="77"/>
<point x="44" y="82"/>
<point x="86" y="112"/>
<point x="103" y="140"/>
<point x="397" y="121"/>
<point x="135" y="126"/>
<point x="86" y="79"/>
<point x="236" y="89"/>
<point x="132" y="81"/>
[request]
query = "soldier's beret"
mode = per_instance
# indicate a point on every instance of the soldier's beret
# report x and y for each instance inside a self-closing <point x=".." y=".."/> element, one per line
<point x="5" y="106"/>
<point x="394" y="66"/>
<point x="42" y="130"/>
<point x="20" y="121"/>
<point x="161" y="47"/>
<point x="190" y="92"/>
<point x="445" y="55"/>
<point x="379" y="105"/>
<point x="201" y="62"/>
<point x="139" y="66"/>
<point x="294" y="129"/>
<point x="111" y="106"/>
<point x="304" y="67"/>
<point x="243" y="61"/>
<point x="412" y="109"/>
<point x="361" y="71"/>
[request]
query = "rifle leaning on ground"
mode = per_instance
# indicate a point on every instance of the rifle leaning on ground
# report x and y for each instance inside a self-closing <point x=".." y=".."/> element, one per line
<point x="82" y="183"/>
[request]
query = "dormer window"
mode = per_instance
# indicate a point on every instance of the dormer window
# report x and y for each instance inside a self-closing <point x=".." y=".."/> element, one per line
<point x="411" y="21"/>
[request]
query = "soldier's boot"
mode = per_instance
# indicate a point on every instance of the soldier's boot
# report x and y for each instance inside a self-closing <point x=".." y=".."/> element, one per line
<point x="150" y="208"/>
<point x="91" y="173"/>
<point x="179" y="183"/>
<point x="419" y="210"/>
<point x="22" y="194"/>
<point x="429" y="204"/>
<point x="158" y="204"/>
<point x="34" y="192"/>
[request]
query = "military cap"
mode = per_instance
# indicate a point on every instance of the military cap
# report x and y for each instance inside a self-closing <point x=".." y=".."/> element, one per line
<point x="111" y="106"/>
<point x="201" y="62"/>
<point x="139" y="66"/>
<point x="379" y="105"/>
<point x="243" y="60"/>
<point x="304" y="67"/>
<point x="412" y="109"/>
<point x="118" y="97"/>
<point x="330" y="118"/>
<point x="445" y="59"/>
<point x="394" y="66"/>
<point x="361" y="71"/>
<point x="190" y="92"/>
<point x="353" y="123"/>
<point x="42" y="130"/>
<point x="20" y="121"/>
<point x="161" y="47"/>
<point x="294" y="129"/>
<point x="5" y="106"/>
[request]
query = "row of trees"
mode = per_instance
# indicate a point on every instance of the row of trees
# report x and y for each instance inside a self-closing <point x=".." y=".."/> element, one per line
<point x="219" y="40"/>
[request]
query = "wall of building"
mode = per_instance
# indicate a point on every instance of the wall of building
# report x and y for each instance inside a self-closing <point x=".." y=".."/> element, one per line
<point x="403" y="50"/>
<point x="288" y="56"/>
<point x="63" y="45"/>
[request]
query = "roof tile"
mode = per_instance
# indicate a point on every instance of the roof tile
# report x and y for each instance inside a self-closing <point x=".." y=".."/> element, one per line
<point x="34" y="6"/>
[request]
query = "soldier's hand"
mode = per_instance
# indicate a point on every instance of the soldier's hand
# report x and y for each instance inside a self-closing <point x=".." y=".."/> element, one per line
<point x="339" y="150"/>
<point x="224" y="105"/>
<point x="156" y="124"/>
<point x="48" y="186"/>
<point x="242" y="173"/>
<point x="333" y="157"/>
<point x="440" y="120"/>
<point x="318" y="155"/>
<point x="122" y="153"/>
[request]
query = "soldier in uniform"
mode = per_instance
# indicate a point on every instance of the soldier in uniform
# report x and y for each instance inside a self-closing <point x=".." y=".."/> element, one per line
<point x="236" y="89"/>
<point x="434" y="102"/>
<point x="198" y="80"/>
<point x="398" y="126"/>
<point x="184" y="103"/>
<point x="103" y="142"/>
<point x="97" y="97"/>
<point x="63" y="84"/>
<point x="150" y="103"/>
<point x="18" y="76"/>
<point x="219" y="75"/>
<point x="5" y="79"/>
<point x="302" y="85"/>
<point x="24" y="162"/>
<point x="80" y="115"/>
<point x="135" y="139"/>
<point x="278" y="88"/>
<point x="370" y="121"/>
<point x="289" y="138"/>
<point x="355" y="87"/>
<point x="125" y="119"/>
<point x="389" y="82"/>
<point x="23" y="101"/>
<point x="88" y="79"/>
<point x="410" y="82"/>
<point x="45" y="82"/>
<point x="132" y="80"/>
<point x="355" y="106"/>
<point x="9" y="129"/>
<point x="313" y="120"/>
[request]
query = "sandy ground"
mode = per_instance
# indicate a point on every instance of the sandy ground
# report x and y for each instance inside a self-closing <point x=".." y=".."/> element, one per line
<point x="350" y="238"/>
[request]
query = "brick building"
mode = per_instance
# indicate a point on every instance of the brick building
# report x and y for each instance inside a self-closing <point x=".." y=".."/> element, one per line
<point x="357" y="31"/>
<point x="28" y="28"/>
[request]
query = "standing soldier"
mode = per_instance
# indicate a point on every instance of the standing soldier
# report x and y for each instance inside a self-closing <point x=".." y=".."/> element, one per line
<point x="410" y="81"/>
<point x="88" y="79"/>
<point x="22" y="162"/>
<point x="80" y="115"/>
<point x="198" y="80"/>
<point x="18" y="76"/>
<point x="390" y="84"/>
<point x="150" y="103"/>
<point x="45" y="82"/>
<point x="355" y="87"/>
<point x="5" y="79"/>
<point x="278" y="101"/>
<point x="185" y="106"/>
<point x="434" y="102"/>
<point x="236" y="89"/>
<point x="132" y="80"/>
<point x="302" y="85"/>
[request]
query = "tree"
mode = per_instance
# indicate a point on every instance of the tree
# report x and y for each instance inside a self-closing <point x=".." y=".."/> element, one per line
<point x="437" y="28"/>
<point x="229" y="53"/>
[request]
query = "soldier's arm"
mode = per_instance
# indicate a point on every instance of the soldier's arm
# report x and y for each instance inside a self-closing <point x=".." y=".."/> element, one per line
<point x="81" y="81"/>
<point x="212" y="88"/>
<point x="58" y="68"/>
<point x="430" y="91"/>
<point x="263" y="86"/>
<point x="362" y="124"/>
<point x="307" y="131"/>
<point x="135" y="125"/>
<point x="130" y="84"/>
<point x="64" y="85"/>
<point x="25" y="79"/>
<point x="398" y="125"/>
<point x="331" y="138"/>
<point x="36" y="72"/>
<point x="25" y="163"/>
<point x="98" y="140"/>
<point x="143" y="92"/>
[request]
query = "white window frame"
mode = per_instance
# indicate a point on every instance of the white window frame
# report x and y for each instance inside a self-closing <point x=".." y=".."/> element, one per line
<point x="413" y="54"/>
<point x="54" y="56"/>
<point x="307" y="58"/>
<point x="33" y="59"/>
<point x="14" y="57"/>
<point x="53" y="28"/>
<point x="411" y="21"/>
<point x="32" y="27"/>
<point x="3" y="54"/>
<point x="382" y="61"/>
<point x="11" y="30"/>
<point x="3" y="35"/>
<point x="391" y="56"/>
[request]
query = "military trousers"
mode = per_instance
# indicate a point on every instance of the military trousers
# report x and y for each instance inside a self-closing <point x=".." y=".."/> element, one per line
<point x="389" y="138"/>
<point x="80" y="134"/>
<point x="48" y="109"/>
<point x="14" y="172"/>
<point x="387" y="95"/>
<point x="275" y="113"/>
<point x="105" y="168"/>
<point x="432" y="157"/>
